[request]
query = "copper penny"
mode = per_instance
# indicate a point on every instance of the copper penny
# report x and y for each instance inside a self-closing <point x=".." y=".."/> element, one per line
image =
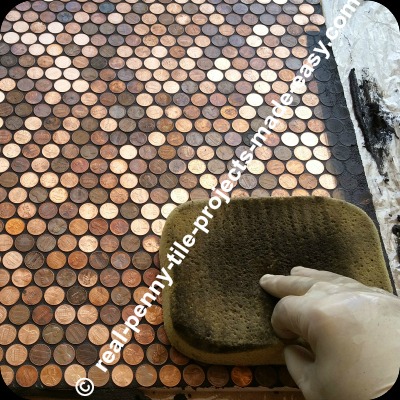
<point x="40" y="354"/>
<point x="26" y="376"/>
<point x="217" y="375"/>
<point x="87" y="278"/>
<point x="66" y="277"/>
<point x="64" y="314"/>
<point x="98" y="260"/>
<point x="44" y="277"/>
<point x="7" y="334"/>
<point x="64" y="354"/>
<point x="98" y="296"/>
<point x="98" y="334"/>
<point x="110" y="315"/>
<point x="241" y="376"/>
<point x="31" y="295"/>
<point x="87" y="314"/>
<point x="86" y="354"/>
<point x="122" y="375"/>
<point x="42" y="315"/>
<point x="77" y="259"/>
<point x="170" y="375"/>
<point x="51" y="375"/>
<point x="76" y="295"/>
<point x="76" y="333"/>
<point x="19" y="314"/>
<point x="120" y="296"/>
<point x="146" y="375"/>
<point x="52" y="333"/>
<point x="133" y="354"/>
<point x="193" y="375"/>
<point x="28" y="334"/>
<point x="157" y="354"/>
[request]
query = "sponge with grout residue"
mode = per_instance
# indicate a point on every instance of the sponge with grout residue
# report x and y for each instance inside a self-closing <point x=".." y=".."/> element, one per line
<point x="215" y="311"/>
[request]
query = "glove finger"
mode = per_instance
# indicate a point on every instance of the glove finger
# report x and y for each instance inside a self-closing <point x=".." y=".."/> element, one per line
<point x="281" y="285"/>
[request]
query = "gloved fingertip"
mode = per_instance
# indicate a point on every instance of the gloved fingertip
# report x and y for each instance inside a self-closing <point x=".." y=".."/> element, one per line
<point x="265" y="279"/>
<point x="296" y="269"/>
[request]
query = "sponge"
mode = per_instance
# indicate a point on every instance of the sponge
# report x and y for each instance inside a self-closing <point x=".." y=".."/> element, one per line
<point x="215" y="311"/>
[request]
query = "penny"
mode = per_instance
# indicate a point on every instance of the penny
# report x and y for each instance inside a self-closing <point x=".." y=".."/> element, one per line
<point x="51" y="375"/>
<point x="133" y="355"/>
<point x="76" y="295"/>
<point x="328" y="181"/>
<point x="266" y="376"/>
<point x="64" y="314"/>
<point x="12" y="260"/>
<point x="308" y="181"/>
<point x="42" y="315"/>
<point x="44" y="277"/>
<point x="295" y="167"/>
<point x="99" y="296"/>
<point x="354" y="167"/>
<point x="288" y="181"/>
<point x="120" y="296"/>
<point x="146" y="375"/>
<point x="64" y="354"/>
<point x="302" y="153"/>
<point x="217" y="375"/>
<point x="40" y="354"/>
<point x="66" y="278"/>
<point x="98" y="334"/>
<point x="7" y="374"/>
<point x="52" y="333"/>
<point x="98" y="260"/>
<point x="87" y="278"/>
<point x="78" y="227"/>
<point x="241" y="376"/>
<point x="98" y="377"/>
<point x="56" y="260"/>
<point x="28" y="334"/>
<point x="86" y="354"/>
<point x="9" y="295"/>
<point x="157" y="354"/>
<point x="170" y="375"/>
<point x="110" y="315"/>
<point x="4" y="277"/>
<point x="87" y="314"/>
<point x="322" y="153"/>
<point x="31" y="295"/>
<point x="26" y="376"/>
<point x="7" y="334"/>
<point x="122" y="375"/>
<point x="19" y="314"/>
<point x="316" y="126"/>
<point x="75" y="333"/>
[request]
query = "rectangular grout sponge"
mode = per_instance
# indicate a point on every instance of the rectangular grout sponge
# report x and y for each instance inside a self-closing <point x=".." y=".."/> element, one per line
<point x="215" y="311"/>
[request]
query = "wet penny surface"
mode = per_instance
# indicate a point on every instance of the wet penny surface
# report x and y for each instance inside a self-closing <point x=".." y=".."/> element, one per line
<point x="112" y="114"/>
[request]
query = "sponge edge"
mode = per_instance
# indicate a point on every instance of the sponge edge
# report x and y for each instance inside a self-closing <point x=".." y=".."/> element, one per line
<point x="215" y="311"/>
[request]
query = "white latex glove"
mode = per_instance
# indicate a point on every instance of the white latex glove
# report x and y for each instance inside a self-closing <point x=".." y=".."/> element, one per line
<point x="352" y="329"/>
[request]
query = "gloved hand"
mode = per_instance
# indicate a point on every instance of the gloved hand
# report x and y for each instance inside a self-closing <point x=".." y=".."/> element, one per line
<point x="352" y="329"/>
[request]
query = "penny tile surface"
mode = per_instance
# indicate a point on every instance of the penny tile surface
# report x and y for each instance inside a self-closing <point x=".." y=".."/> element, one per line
<point x="112" y="113"/>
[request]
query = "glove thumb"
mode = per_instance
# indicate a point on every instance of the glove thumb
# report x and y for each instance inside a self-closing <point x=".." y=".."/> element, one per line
<point x="300" y="363"/>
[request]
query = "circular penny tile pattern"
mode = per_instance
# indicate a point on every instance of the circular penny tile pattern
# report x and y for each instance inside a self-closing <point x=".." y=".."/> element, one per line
<point x="111" y="115"/>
